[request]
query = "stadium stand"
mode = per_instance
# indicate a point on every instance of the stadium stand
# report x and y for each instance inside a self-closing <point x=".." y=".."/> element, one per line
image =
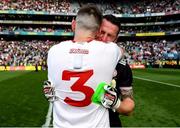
<point x="150" y="33"/>
<point x="149" y="29"/>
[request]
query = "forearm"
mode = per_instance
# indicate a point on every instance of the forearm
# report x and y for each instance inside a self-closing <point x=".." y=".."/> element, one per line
<point x="108" y="96"/>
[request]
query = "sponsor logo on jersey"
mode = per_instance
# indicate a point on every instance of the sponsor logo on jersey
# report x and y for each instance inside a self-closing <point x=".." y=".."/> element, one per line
<point x="78" y="51"/>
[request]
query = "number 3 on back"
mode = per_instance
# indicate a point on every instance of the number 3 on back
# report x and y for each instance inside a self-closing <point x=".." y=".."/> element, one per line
<point x="79" y="85"/>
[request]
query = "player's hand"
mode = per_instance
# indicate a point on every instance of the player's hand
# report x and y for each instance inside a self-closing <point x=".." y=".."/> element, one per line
<point x="111" y="98"/>
<point x="48" y="90"/>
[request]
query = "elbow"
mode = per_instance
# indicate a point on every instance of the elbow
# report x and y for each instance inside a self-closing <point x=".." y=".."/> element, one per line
<point x="129" y="111"/>
<point x="127" y="107"/>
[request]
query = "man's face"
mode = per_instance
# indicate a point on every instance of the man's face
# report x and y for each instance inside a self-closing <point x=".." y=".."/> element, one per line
<point x="108" y="31"/>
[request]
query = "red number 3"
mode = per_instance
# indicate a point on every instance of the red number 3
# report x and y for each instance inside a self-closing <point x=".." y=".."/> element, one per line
<point x="79" y="85"/>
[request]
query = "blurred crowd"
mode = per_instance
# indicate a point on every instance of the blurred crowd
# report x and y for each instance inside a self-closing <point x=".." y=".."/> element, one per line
<point x="151" y="51"/>
<point x="33" y="29"/>
<point x="34" y="52"/>
<point x="24" y="53"/>
<point x="52" y="6"/>
<point x="30" y="53"/>
<point x="130" y="29"/>
<point x="67" y="6"/>
<point x="153" y="28"/>
<point x="148" y="6"/>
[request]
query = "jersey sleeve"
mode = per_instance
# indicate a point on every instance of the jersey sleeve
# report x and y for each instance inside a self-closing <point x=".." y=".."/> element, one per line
<point x="120" y="52"/>
<point x="49" y="62"/>
<point x="124" y="75"/>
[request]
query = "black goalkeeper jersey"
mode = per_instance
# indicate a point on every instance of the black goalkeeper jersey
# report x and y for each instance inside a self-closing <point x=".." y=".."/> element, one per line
<point x="123" y="79"/>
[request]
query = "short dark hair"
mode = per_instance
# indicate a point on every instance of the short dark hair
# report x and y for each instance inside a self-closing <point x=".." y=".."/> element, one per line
<point x="114" y="20"/>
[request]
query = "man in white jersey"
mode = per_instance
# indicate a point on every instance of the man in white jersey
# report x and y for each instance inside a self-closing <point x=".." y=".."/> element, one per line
<point x="75" y="68"/>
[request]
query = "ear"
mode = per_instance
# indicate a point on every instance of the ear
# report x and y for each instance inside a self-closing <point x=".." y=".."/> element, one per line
<point x="116" y="39"/>
<point x="99" y="31"/>
<point x="73" y="25"/>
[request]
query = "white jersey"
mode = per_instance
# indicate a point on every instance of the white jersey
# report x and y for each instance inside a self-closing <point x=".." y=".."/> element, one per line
<point x="76" y="69"/>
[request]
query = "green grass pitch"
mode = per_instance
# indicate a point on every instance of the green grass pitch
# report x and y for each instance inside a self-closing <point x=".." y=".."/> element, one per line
<point x="157" y="105"/>
<point x="22" y="103"/>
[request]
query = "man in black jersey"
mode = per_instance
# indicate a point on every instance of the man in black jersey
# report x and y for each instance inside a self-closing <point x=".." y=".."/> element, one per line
<point x="109" y="33"/>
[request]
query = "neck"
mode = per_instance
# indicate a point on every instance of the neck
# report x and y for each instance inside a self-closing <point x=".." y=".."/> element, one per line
<point x="83" y="36"/>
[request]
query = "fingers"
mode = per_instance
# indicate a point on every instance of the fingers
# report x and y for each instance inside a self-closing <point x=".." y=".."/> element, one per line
<point x="48" y="83"/>
<point x="113" y="83"/>
<point x="109" y="89"/>
<point x="48" y="90"/>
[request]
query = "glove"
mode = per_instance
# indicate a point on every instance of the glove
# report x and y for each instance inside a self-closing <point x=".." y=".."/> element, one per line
<point x="48" y="90"/>
<point x="110" y="99"/>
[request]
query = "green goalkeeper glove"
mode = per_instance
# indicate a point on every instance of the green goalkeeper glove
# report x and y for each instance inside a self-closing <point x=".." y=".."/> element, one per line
<point x="107" y="95"/>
